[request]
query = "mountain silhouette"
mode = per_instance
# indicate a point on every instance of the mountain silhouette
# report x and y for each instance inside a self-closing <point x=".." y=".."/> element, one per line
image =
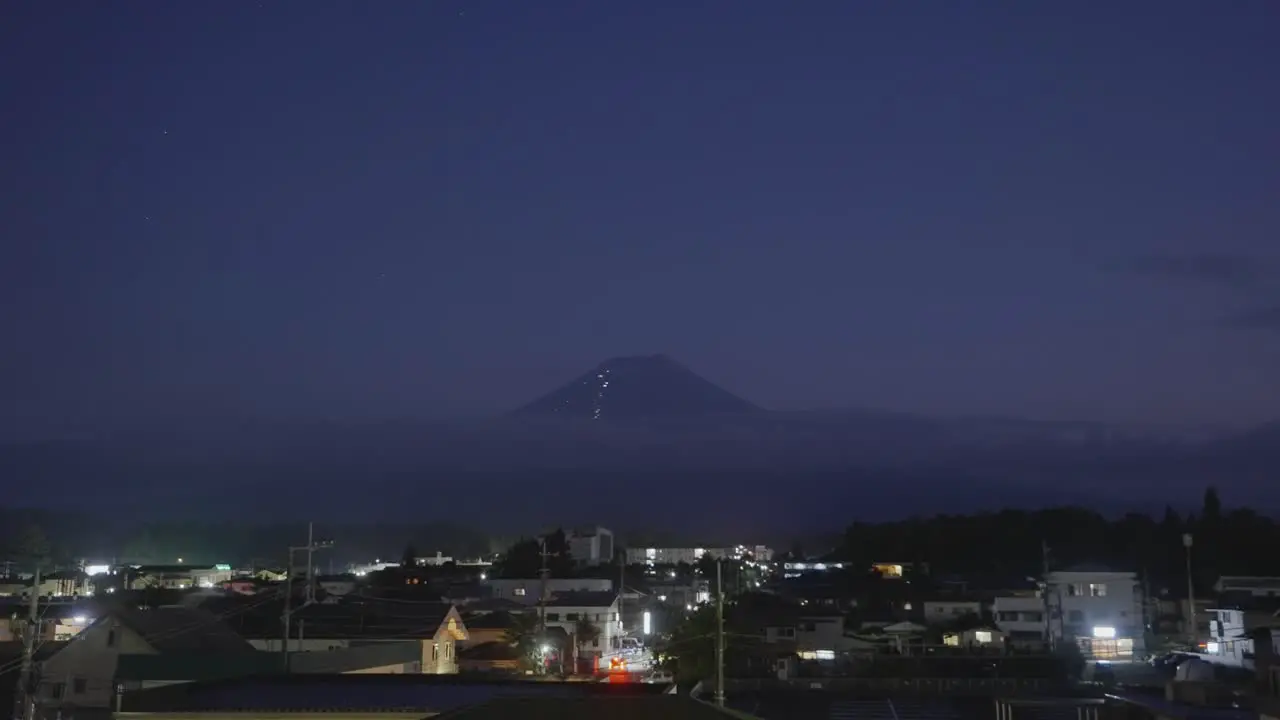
<point x="645" y="386"/>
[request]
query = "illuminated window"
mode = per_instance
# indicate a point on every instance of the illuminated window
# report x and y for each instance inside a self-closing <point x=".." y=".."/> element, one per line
<point x="952" y="640"/>
<point x="886" y="570"/>
<point x="1097" y="590"/>
<point x="982" y="636"/>
<point x="518" y="591"/>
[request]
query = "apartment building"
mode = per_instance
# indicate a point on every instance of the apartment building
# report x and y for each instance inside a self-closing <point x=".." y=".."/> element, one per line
<point x="1097" y="607"/>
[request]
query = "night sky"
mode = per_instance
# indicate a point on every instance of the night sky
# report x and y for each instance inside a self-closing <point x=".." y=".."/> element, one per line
<point x="436" y="208"/>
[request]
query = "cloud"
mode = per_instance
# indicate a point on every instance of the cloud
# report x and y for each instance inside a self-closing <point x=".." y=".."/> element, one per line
<point x="1244" y="272"/>
<point x="1266" y="317"/>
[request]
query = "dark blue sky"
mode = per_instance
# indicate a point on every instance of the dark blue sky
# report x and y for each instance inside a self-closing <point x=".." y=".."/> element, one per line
<point x="372" y="209"/>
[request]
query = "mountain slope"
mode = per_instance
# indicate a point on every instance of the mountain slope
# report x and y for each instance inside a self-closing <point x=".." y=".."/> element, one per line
<point x="647" y="386"/>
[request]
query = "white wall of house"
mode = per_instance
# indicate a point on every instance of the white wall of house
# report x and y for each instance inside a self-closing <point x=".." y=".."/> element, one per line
<point x="83" y="672"/>
<point x="943" y="611"/>
<point x="1224" y="644"/>
<point x="1102" y="608"/>
<point x="604" y="617"/>
<point x="1256" y="586"/>
<point x="529" y="591"/>
<point x="1020" y="615"/>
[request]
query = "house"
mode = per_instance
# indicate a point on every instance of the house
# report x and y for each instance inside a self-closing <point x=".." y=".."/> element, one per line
<point x="939" y="612"/>
<point x="1230" y="629"/>
<point x="83" y="673"/>
<point x="1097" y="607"/>
<point x="1260" y="587"/>
<point x="529" y="592"/>
<point x="977" y="636"/>
<point x="436" y="628"/>
<point x="591" y="546"/>
<point x="813" y="631"/>
<point x="566" y="610"/>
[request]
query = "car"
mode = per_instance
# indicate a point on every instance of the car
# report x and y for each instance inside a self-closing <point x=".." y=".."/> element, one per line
<point x="1170" y="661"/>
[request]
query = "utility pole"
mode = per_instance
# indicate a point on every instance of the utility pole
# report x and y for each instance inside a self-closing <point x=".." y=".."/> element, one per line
<point x="310" y="596"/>
<point x="719" y="635"/>
<point x="1192" y="630"/>
<point x="543" y="573"/>
<point x="1044" y="591"/>
<point x="622" y="589"/>
<point x="311" y="549"/>
<point x="26" y="693"/>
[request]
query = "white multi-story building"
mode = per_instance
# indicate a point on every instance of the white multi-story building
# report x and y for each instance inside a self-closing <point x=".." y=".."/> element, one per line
<point x="1098" y="608"/>
<point x="591" y="546"/>
<point x="567" y="610"/>
<point x="937" y="612"/>
<point x="670" y="556"/>
<point x="690" y="556"/>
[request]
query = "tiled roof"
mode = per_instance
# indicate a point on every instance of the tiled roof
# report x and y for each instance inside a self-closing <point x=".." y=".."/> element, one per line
<point x="174" y="628"/>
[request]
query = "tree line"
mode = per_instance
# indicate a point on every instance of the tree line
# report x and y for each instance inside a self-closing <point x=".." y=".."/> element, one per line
<point x="1014" y="543"/>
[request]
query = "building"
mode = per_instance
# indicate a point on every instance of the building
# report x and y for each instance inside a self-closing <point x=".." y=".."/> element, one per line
<point x="178" y="577"/>
<point x="686" y="595"/>
<point x="938" y="612"/>
<point x="84" y="672"/>
<point x="1099" y="608"/>
<point x="816" y="635"/>
<point x="591" y="546"/>
<point x="53" y="585"/>
<point x="567" y="610"/>
<point x="1022" y="618"/>
<point x="1258" y="587"/>
<point x="436" y="628"/>
<point x="672" y="556"/>
<point x="529" y="591"/>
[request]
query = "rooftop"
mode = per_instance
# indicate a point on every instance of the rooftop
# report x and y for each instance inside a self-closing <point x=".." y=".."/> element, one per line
<point x="174" y="628"/>
<point x="360" y="693"/>
<point x="583" y="598"/>
<point x="626" y="707"/>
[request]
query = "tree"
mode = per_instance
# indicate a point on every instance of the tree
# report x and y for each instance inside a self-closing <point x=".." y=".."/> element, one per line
<point x="689" y="652"/>
<point x="522" y="634"/>
<point x="409" y="558"/>
<point x="524" y="558"/>
<point x="1211" y="509"/>
<point x="584" y="631"/>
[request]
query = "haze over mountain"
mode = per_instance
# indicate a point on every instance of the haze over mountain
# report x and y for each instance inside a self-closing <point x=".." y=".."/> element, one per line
<point x="701" y="454"/>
